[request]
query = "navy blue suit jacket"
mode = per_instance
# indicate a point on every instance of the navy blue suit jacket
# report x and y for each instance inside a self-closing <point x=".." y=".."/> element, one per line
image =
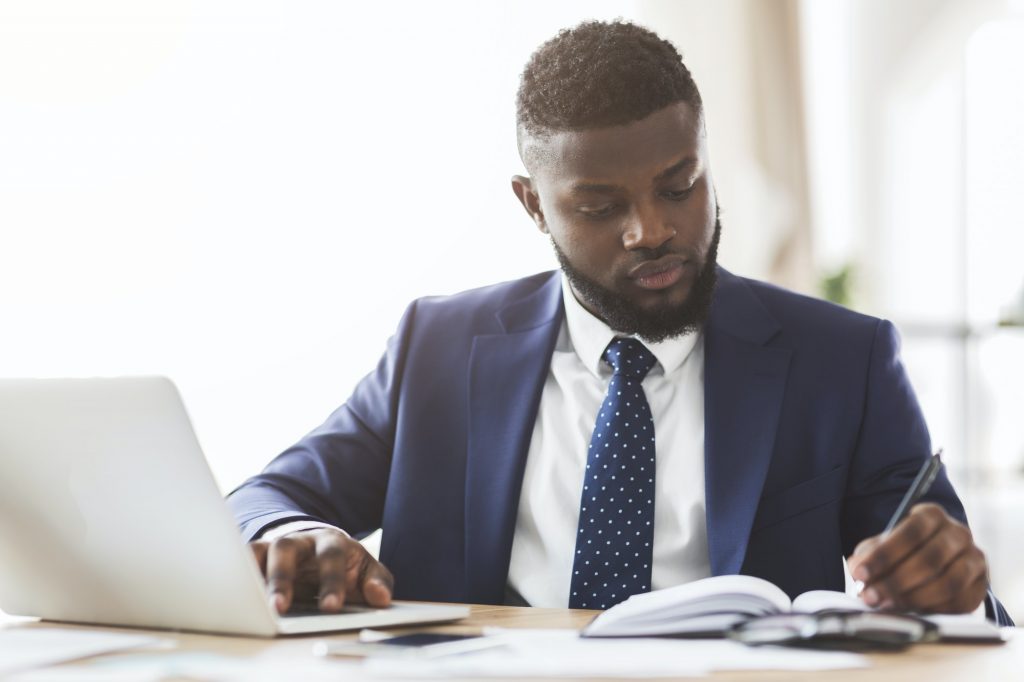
<point x="812" y="435"/>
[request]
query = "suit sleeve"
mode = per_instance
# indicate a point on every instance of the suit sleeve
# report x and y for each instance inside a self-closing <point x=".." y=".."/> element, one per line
<point x="891" y="446"/>
<point x="338" y="473"/>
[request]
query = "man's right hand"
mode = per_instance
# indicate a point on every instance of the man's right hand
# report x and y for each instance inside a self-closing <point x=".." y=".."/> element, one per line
<point x="322" y="563"/>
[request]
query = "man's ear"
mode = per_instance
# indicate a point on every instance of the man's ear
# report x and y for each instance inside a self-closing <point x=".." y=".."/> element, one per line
<point x="528" y="197"/>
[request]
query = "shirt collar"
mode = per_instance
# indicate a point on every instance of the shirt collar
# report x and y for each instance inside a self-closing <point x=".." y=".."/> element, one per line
<point x="589" y="336"/>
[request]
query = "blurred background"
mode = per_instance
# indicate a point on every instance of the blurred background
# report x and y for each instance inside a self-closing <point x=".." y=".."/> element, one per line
<point x="245" y="195"/>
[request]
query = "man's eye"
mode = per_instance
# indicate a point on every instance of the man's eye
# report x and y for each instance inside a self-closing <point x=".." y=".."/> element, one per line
<point x="678" y="194"/>
<point x="598" y="211"/>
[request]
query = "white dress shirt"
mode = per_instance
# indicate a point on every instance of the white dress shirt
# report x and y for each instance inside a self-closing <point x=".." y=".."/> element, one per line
<point x="549" y="503"/>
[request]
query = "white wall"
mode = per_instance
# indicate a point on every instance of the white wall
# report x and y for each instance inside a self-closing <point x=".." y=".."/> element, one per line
<point x="245" y="195"/>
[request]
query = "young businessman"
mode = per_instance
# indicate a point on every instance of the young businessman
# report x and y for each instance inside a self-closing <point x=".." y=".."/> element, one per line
<point x="639" y="419"/>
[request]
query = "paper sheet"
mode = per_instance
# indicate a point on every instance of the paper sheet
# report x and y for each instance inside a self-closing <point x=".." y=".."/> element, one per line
<point x="562" y="653"/>
<point x="26" y="648"/>
<point x="198" y="666"/>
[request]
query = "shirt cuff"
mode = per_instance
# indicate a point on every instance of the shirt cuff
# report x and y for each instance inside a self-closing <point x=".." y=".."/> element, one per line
<point x="280" y="530"/>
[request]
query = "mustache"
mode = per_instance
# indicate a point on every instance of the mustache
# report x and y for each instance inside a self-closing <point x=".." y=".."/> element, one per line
<point x="644" y="255"/>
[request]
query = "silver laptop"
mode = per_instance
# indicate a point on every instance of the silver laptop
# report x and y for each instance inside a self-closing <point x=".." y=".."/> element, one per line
<point x="110" y="515"/>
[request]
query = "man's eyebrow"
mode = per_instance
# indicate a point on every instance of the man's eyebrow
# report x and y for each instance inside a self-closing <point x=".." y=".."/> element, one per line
<point x="593" y="188"/>
<point x="599" y="188"/>
<point x="688" y="162"/>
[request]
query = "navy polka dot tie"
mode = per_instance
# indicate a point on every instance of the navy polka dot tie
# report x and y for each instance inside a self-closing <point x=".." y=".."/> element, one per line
<point x="615" y="541"/>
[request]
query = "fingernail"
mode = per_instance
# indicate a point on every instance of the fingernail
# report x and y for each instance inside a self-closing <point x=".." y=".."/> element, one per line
<point x="861" y="573"/>
<point x="871" y="596"/>
<point x="279" y="604"/>
<point x="330" y="603"/>
<point x="886" y="605"/>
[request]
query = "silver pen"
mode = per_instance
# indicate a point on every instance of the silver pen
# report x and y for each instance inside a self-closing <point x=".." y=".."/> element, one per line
<point x="922" y="483"/>
<point x="925" y="478"/>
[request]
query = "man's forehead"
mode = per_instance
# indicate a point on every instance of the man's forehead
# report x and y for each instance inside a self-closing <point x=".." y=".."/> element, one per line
<point x="649" y="146"/>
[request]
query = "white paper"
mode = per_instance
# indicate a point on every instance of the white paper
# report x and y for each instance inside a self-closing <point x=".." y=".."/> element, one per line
<point x="199" y="666"/>
<point x="562" y="653"/>
<point x="25" y="648"/>
<point x="83" y="673"/>
<point x="825" y="600"/>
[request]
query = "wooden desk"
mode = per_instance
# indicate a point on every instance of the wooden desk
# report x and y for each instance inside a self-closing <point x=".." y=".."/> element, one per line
<point x="930" y="663"/>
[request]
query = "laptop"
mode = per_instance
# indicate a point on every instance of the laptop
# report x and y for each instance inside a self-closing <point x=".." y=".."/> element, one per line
<point x="109" y="515"/>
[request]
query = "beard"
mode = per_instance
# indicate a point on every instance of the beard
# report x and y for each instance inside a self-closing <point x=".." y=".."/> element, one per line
<point x="666" y="322"/>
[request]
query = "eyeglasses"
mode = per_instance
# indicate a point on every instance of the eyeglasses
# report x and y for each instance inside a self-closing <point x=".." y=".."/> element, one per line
<point x="846" y="630"/>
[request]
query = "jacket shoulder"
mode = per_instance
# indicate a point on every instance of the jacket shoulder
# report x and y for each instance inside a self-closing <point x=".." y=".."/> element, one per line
<point x="811" y="316"/>
<point x="479" y="308"/>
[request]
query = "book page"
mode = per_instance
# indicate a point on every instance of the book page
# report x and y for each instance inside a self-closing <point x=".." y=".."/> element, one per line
<point x="827" y="600"/>
<point x="705" y="590"/>
<point x="725" y="594"/>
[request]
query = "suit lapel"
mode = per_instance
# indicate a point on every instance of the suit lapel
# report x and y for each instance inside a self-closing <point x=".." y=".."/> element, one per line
<point x="507" y="371"/>
<point x="744" y="384"/>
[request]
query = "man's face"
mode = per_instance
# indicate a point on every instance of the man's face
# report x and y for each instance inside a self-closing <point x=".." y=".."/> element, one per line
<point x="632" y="214"/>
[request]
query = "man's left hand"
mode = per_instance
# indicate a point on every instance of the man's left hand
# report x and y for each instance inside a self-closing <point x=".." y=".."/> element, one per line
<point x="928" y="564"/>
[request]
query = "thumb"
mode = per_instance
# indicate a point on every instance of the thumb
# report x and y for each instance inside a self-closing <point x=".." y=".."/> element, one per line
<point x="378" y="584"/>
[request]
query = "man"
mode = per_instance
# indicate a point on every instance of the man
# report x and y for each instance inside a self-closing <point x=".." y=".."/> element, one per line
<point x="645" y="403"/>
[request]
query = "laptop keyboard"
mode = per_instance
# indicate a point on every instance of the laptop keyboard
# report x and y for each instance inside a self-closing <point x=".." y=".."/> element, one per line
<point x="311" y="608"/>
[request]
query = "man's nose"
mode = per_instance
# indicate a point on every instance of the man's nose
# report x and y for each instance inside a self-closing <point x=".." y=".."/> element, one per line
<point x="647" y="229"/>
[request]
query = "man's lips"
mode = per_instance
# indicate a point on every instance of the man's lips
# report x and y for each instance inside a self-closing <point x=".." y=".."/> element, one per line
<point x="659" y="274"/>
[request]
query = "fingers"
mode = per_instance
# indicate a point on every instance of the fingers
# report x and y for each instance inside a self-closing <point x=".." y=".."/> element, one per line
<point x="967" y="600"/>
<point x="873" y="561"/>
<point x="284" y="556"/>
<point x="925" y="565"/>
<point x="348" y="572"/>
<point x="378" y="584"/>
<point x="324" y="562"/>
<point x="958" y="589"/>
<point x="259" y="550"/>
<point x="332" y="565"/>
<point x="928" y="562"/>
<point x="862" y="552"/>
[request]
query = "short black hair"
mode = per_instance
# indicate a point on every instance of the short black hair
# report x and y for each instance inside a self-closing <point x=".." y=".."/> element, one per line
<point x="600" y="74"/>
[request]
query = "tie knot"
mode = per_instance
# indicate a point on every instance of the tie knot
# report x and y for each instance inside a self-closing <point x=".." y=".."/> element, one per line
<point x="629" y="357"/>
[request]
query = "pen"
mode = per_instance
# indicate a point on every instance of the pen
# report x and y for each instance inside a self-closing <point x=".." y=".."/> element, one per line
<point x="923" y="481"/>
<point x="925" y="478"/>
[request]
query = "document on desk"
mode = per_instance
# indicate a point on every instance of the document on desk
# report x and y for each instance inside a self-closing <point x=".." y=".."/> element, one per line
<point x="27" y="648"/>
<point x="563" y="653"/>
<point x="198" y="666"/>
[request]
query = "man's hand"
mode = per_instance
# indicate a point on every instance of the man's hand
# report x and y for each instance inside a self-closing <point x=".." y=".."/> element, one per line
<point x="928" y="563"/>
<point x="323" y="563"/>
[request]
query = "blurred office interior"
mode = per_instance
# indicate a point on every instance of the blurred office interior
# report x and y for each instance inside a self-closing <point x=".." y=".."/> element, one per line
<point x="245" y="195"/>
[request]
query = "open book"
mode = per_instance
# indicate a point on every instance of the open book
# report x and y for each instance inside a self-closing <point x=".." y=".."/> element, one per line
<point x="712" y="605"/>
